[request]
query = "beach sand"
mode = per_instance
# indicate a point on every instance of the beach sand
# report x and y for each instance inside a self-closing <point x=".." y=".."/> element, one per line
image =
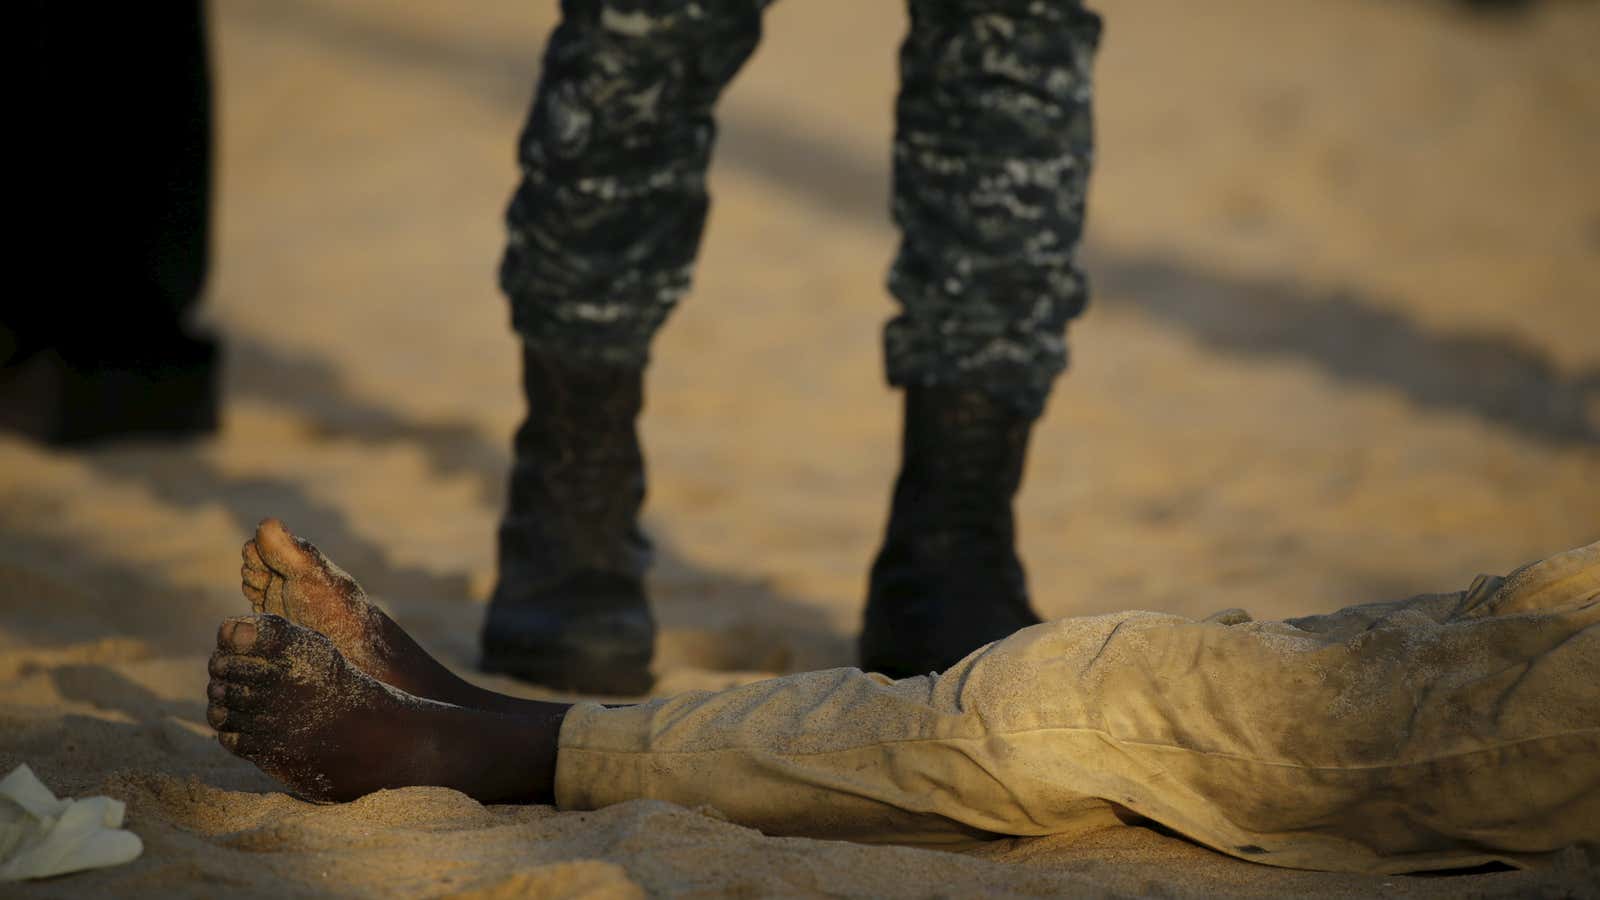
<point x="1346" y="257"/>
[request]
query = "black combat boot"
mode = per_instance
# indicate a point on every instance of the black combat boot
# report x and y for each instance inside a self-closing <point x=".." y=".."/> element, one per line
<point x="948" y="579"/>
<point x="569" y="610"/>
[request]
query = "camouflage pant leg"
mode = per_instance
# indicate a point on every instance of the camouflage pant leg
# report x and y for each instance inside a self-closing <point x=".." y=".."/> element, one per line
<point x="991" y="159"/>
<point x="605" y="224"/>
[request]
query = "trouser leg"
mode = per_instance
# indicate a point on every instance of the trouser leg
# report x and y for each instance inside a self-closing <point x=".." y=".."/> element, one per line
<point x="113" y="199"/>
<point x="992" y="149"/>
<point x="603" y="232"/>
<point x="991" y="157"/>
<point x="115" y="134"/>
<point x="1444" y="731"/>
<point x="605" y="224"/>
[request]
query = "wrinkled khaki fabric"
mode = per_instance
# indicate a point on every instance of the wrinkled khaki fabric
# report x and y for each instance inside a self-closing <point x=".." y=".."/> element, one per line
<point x="1446" y="730"/>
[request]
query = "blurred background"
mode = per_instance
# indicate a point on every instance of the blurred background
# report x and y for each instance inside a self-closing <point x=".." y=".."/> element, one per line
<point x="1344" y="343"/>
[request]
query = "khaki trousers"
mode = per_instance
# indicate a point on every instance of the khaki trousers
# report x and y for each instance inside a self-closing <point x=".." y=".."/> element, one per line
<point x="1442" y="731"/>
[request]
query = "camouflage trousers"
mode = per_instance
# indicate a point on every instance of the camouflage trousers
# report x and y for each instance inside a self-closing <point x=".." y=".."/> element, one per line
<point x="992" y="150"/>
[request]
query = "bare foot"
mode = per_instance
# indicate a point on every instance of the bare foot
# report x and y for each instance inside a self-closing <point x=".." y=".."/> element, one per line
<point x="283" y="697"/>
<point x="284" y="575"/>
<point x="287" y="576"/>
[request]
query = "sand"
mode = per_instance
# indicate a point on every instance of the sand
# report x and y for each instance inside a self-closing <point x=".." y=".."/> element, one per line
<point x="1347" y="269"/>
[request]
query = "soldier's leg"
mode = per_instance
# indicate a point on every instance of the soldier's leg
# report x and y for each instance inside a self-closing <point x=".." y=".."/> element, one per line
<point x="98" y="341"/>
<point x="603" y="232"/>
<point x="991" y="159"/>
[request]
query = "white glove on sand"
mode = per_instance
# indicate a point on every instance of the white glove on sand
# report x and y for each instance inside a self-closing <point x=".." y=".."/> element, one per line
<point x="42" y="836"/>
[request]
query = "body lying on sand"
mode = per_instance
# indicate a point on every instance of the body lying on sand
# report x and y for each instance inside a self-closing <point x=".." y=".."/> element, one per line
<point x="1443" y="731"/>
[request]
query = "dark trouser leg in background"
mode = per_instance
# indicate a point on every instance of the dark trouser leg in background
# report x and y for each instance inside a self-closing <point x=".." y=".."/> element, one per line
<point x="603" y="234"/>
<point x="991" y="160"/>
<point x="114" y="178"/>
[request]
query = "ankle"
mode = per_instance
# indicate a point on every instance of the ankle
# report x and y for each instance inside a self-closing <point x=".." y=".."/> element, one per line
<point x="961" y="441"/>
<point x="492" y="757"/>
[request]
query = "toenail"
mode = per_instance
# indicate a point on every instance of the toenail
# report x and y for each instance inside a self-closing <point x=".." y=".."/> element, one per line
<point x="244" y="634"/>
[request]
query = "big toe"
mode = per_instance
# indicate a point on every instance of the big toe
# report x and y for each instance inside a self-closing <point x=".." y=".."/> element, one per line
<point x="260" y="635"/>
<point x="283" y="552"/>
